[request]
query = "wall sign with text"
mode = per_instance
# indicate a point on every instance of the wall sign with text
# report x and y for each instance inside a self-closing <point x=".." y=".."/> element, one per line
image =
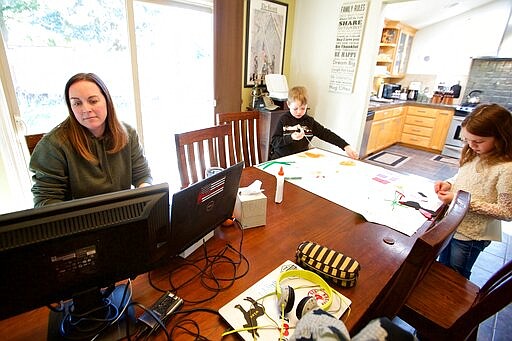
<point x="351" y="24"/>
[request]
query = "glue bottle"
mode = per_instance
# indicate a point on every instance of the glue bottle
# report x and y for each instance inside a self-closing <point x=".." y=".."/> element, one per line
<point x="279" y="186"/>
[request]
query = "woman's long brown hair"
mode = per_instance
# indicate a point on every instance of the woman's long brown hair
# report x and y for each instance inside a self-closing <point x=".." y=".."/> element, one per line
<point x="115" y="133"/>
<point x="490" y="120"/>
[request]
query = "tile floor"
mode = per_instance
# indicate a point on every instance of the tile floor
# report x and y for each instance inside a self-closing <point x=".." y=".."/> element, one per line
<point x="495" y="328"/>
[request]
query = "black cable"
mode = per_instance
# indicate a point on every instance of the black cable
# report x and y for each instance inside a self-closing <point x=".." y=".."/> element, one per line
<point x="204" y="268"/>
<point x="180" y="324"/>
<point x="206" y="272"/>
<point x="68" y="326"/>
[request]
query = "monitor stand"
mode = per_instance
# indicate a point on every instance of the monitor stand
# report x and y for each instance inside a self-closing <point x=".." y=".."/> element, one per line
<point x="88" y="330"/>
<point x="197" y="244"/>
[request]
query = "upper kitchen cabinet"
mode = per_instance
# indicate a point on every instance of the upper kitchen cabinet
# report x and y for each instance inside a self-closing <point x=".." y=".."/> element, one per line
<point x="394" y="49"/>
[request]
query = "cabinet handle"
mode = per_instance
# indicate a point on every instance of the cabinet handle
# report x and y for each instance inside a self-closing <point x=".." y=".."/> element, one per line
<point x="416" y="130"/>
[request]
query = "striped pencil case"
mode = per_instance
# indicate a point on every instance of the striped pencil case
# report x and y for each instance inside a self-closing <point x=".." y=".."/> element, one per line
<point x="331" y="265"/>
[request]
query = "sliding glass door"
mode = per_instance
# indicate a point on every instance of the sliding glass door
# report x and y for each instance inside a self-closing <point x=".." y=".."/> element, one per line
<point x="175" y="64"/>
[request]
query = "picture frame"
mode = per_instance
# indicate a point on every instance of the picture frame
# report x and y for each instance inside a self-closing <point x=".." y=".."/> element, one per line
<point x="265" y="40"/>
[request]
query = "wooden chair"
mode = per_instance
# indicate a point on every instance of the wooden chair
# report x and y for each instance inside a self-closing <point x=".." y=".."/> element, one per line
<point x="245" y="127"/>
<point x="423" y="254"/>
<point x="447" y="306"/>
<point x="200" y="149"/>
<point x="32" y="140"/>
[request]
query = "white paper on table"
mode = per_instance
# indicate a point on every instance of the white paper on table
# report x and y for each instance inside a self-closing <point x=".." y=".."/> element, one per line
<point x="369" y="190"/>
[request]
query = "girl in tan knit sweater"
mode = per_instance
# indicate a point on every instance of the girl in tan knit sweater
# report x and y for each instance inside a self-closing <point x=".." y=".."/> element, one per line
<point x="485" y="172"/>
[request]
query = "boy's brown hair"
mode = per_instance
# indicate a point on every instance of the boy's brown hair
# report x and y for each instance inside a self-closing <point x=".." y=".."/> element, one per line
<point x="298" y="94"/>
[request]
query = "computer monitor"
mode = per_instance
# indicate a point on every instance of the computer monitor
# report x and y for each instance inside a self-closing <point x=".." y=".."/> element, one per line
<point x="198" y="209"/>
<point x="76" y="249"/>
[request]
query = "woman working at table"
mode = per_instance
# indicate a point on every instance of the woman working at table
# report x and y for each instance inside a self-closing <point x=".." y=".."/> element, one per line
<point x="296" y="128"/>
<point x="91" y="152"/>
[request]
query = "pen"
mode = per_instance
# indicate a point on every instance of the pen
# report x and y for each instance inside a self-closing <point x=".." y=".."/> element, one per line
<point x="293" y="177"/>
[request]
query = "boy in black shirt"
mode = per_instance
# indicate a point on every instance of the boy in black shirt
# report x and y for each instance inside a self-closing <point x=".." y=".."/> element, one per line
<point x="295" y="129"/>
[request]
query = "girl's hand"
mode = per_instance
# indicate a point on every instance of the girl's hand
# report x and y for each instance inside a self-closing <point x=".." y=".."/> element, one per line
<point x="442" y="186"/>
<point x="445" y="196"/>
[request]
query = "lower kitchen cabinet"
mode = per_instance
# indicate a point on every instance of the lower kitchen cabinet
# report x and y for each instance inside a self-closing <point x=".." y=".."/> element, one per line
<point x="417" y="126"/>
<point x="443" y="122"/>
<point x="426" y="127"/>
<point x="386" y="129"/>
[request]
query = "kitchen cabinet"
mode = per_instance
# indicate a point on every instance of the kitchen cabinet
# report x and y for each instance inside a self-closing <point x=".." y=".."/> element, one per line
<point x="385" y="130"/>
<point x="426" y="127"/>
<point x="443" y="121"/>
<point x="394" y="49"/>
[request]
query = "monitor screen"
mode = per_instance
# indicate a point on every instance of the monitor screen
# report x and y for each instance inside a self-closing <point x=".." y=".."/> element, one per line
<point x="56" y="252"/>
<point x="198" y="209"/>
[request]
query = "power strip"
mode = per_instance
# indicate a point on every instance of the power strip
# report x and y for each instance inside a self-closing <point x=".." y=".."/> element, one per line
<point x="163" y="307"/>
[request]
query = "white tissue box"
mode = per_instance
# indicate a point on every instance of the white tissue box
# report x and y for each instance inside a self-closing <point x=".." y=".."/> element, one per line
<point x="251" y="209"/>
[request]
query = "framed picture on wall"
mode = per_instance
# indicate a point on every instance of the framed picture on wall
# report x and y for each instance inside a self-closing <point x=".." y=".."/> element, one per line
<point x="265" y="39"/>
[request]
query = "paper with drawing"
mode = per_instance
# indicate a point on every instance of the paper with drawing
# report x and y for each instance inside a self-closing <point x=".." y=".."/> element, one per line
<point x="258" y="307"/>
<point x="374" y="192"/>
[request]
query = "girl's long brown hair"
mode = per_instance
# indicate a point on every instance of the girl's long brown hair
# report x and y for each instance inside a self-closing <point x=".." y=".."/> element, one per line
<point x="490" y="120"/>
<point x="115" y="132"/>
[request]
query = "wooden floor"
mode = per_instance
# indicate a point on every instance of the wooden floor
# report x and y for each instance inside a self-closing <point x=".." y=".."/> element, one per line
<point x="497" y="327"/>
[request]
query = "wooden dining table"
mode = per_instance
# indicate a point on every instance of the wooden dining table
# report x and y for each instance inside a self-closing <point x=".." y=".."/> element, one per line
<point x="302" y="216"/>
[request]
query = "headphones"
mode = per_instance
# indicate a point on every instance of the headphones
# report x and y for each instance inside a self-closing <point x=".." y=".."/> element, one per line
<point x="286" y="294"/>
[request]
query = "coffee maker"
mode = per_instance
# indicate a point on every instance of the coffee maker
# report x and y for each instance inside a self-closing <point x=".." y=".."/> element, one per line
<point x="413" y="91"/>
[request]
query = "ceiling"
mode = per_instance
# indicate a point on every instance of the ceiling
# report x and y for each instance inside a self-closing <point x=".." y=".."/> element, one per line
<point x="422" y="13"/>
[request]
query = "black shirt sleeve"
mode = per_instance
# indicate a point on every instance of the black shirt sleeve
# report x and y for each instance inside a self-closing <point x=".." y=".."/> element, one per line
<point x="328" y="136"/>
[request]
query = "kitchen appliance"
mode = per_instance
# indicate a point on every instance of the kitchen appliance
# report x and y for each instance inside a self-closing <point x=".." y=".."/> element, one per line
<point x="366" y="133"/>
<point x="453" y="143"/>
<point x="414" y="89"/>
<point x="456" y="90"/>
<point x="474" y="97"/>
<point x="388" y="90"/>
<point x="412" y="95"/>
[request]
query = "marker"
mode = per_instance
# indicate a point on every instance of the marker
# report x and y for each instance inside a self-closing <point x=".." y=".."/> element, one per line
<point x="292" y="177"/>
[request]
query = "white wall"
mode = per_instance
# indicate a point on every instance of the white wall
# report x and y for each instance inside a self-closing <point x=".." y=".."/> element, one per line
<point x="314" y="38"/>
<point x="450" y="44"/>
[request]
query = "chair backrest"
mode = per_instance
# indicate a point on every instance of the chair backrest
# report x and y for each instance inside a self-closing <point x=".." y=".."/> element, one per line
<point x="424" y="252"/>
<point x="201" y="149"/>
<point x="32" y="140"/>
<point x="246" y="129"/>
<point x="494" y="295"/>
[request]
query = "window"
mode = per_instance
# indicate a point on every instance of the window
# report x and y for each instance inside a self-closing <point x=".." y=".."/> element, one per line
<point x="47" y="41"/>
<point x="175" y="65"/>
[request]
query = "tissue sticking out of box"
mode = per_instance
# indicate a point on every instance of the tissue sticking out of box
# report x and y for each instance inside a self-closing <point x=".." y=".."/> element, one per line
<point x="251" y="206"/>
<point x="254" y="188"/>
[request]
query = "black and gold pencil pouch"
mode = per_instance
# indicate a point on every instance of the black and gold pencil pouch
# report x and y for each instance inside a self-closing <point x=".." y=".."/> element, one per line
<point x="331" y="265"/>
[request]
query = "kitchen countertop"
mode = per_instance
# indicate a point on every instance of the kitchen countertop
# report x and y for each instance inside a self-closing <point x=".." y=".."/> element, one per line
<point x="373" y="105"/>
